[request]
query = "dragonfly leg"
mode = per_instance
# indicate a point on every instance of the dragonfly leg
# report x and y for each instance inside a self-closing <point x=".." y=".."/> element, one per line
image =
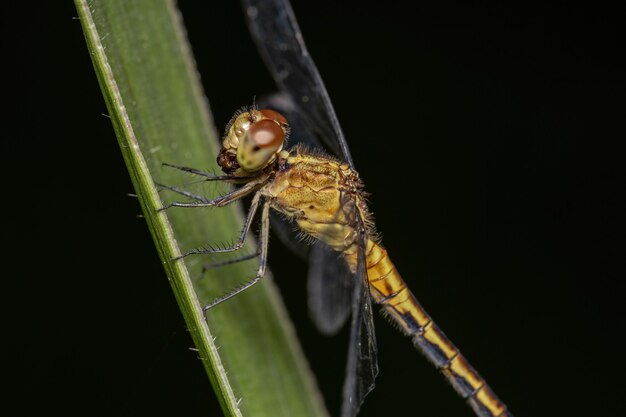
<point x="220" y="264"/>
<point x="180" y="191"/>
<point x="209" y="176"/>
<point x="264" y="239"/>
<point x="242" y="237"/>
<point x="217" y="202"/>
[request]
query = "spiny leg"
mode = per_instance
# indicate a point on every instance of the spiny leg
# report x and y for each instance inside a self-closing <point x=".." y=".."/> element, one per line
<point x="242" y="237"/>
<point x="227" y="262"/>
<point x="210" y="265"/>
<point x="217" y="202"/>
<point x="186" y="193"/>
<point x="206" y="175"/>
<point x="264" y="239"/>
<point x="209" y="176"/>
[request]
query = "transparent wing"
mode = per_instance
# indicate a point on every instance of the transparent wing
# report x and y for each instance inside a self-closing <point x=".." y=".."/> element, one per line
<point x="330" y="282"/>
<point x="278" y="38"/>
<point x="330" y="288"/>
<point x="362" y="366"/>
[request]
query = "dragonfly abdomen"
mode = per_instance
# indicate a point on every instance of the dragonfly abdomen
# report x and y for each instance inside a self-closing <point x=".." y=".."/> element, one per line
<point x="322" y="195"/>
<point x="398" y="302"/>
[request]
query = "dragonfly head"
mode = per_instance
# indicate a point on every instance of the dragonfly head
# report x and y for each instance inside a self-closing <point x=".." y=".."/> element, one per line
<point x="253" y="140"/>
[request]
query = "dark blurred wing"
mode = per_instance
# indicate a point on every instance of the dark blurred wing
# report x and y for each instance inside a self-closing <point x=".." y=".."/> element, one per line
<point x="362" y="366"/>
<point x="278" y="38"/>
<point x="289" y="234"/>
<point x="330" y="288"/>
<point x="299" y="123"/>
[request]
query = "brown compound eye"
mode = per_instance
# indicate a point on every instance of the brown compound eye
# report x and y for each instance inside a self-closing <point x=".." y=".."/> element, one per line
<point x="262" y="141"/>
<point x="267" y="134"/>
<point x="275" y="116"/>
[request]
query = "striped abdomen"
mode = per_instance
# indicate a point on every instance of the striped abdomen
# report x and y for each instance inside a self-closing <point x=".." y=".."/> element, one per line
<point x="391" y="292"/>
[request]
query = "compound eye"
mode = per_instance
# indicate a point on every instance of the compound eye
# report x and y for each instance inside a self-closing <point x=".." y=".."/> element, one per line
<point x="275" y="116"/>
<point x="267" y="134"/>
<point x="263" y="140"/>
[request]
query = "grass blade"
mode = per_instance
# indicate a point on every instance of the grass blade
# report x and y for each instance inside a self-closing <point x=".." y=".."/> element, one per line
<point x="151" y="88"/>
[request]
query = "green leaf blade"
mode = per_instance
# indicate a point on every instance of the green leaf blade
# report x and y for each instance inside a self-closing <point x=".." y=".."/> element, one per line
<point x="153" y="94"/>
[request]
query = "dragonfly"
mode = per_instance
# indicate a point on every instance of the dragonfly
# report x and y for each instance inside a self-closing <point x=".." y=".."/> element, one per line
<point x="322" y="193"/>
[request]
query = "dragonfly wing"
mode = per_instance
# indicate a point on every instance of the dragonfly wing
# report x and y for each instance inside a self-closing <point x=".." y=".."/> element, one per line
<point x="330" y="288"/>
<point x="278" y="37"/>
<point x="289" y="234"/>
<point x="362" y="366"/>
<point x="298" y="124"/>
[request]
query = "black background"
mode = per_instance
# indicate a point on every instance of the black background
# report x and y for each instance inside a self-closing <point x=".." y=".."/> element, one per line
<point x="503" y="121"/>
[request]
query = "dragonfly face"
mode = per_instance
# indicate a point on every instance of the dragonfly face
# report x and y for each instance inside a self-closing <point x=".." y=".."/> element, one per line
<point x="253" y="140"/>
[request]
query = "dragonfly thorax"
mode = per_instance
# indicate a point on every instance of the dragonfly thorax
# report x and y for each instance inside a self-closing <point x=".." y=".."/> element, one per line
<point x="324" y="196"/>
